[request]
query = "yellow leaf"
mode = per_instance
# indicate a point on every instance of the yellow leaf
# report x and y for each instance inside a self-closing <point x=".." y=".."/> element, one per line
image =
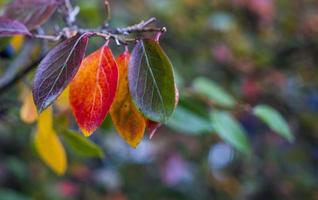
<point x="62" y="101"/>
<point x="45" y="120"/>
<point x="28" y="112"/>
<point x="48" y="145"/>
<point x="17" y="42"/>
<point x="129" y="123"/>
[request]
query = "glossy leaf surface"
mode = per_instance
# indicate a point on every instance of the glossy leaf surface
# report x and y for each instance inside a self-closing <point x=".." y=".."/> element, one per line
<point x="274" y="120"/>
<point x="93" y="89"/>
<point x="151" y="81"/>
<point x="57" y="69"/>
<point x="230" y="130"/>
<point x="32" y="13"/>
<point x="9" y="27"/>
<point x="129" y="123"/>
<point x="48" y="145"/>
<point x="82" y="145"/>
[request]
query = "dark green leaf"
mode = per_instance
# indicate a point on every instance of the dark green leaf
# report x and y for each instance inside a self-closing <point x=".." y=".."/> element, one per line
<point x="230" y="130"/>
<point x="82" y="145"/>
<point x="213" y="91"/>
<point x="57" y="69"/>
<point x="274" y="120"/>
<point x="151" y="81"/>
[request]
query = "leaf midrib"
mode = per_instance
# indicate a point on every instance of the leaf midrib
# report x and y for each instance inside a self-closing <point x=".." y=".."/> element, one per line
<point x="154" y="80"/>
<point x="64" y="65"/>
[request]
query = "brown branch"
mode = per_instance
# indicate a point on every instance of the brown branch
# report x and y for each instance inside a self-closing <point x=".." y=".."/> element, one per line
<point x="119" y="35"/>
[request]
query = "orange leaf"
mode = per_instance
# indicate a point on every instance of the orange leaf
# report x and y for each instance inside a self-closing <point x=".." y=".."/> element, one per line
<point x="129" y="123"/>
<point x="93" y="89"/>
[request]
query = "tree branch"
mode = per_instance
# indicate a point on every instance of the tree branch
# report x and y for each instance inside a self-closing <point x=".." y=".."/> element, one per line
<point x="5" y="85"/>
<point x="119" y="35"/>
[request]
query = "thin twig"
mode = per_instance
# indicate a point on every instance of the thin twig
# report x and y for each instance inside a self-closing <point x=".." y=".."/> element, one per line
<point x="108" y="13"/>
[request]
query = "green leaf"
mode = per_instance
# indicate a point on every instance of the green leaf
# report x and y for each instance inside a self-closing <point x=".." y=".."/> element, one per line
<point x="230" y="130"/>
<point x="81" y="145"/>
<point x="183" y="120"/>
<point x="4" y="42"/>
<point x="9" y="194"/>
<point x="213" y="91"/>
<point x="274" y="120"/>
<point x="151" y="81"/>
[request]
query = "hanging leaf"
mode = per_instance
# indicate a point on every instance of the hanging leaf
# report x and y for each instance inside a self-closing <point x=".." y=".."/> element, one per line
<point x="32" y="13"/>
<point x="57" y="69"/>
<point x="48" y="145"/>
<point x="28" y="111"/>
<point x="274" y="120"/>
<point x="127" y="120"/>
<point x="213" y="91"/>
<point x="9" y="27"/>
<point x="152" y="127"/>
<point x="93" y="89"/>
<point x="230" y="131"/>
<point x="151" y="81"/>
<point x="81" y="145"/>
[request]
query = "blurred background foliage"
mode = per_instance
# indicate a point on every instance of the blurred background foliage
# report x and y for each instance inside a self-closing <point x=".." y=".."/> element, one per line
<point x="229" y="55"/>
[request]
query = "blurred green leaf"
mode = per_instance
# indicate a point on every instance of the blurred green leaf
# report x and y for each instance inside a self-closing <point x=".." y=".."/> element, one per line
<point x="4" y="41"/>
<point x="274" y="120"/>
<point x="7" y="194"/>
<point x="186" y="121"/>
<point x="213" y="91"/>
<point x="230" y="130"/>
<point x="194" y="105"/>
<point x="81" y="145"/>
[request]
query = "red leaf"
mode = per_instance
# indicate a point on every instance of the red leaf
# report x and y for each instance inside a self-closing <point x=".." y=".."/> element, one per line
<point x="152" y="127"/>
<point x="9" y="27"/>
<point x="32" y="13"/>
<point x="57" y="69"/>
<point x="93" y="89"/>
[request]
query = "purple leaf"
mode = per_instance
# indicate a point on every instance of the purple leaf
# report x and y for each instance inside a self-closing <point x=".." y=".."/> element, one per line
<point x="32" y="13"/>
<point x="57" y="69"/>
<point x="10" y="27"/>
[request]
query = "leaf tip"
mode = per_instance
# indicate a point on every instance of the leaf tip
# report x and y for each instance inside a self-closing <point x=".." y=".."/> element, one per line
<point x="86" y="132"/>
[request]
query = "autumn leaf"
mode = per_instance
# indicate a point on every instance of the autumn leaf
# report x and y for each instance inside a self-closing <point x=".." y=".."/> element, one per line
<point x="9" y="27"/>
<point x="62" y="102"/>
<point x="152" y="127"/>
<point x="48" y="145"/>
<point x="129" y="123"/>
<point x="93" y="89"/>
<point x="28" y="113"/>
<point x="57" y="69"/>
<point x="17" y="42"/>
<point x="151" y="81"/>
<point x="32" y="13"/>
